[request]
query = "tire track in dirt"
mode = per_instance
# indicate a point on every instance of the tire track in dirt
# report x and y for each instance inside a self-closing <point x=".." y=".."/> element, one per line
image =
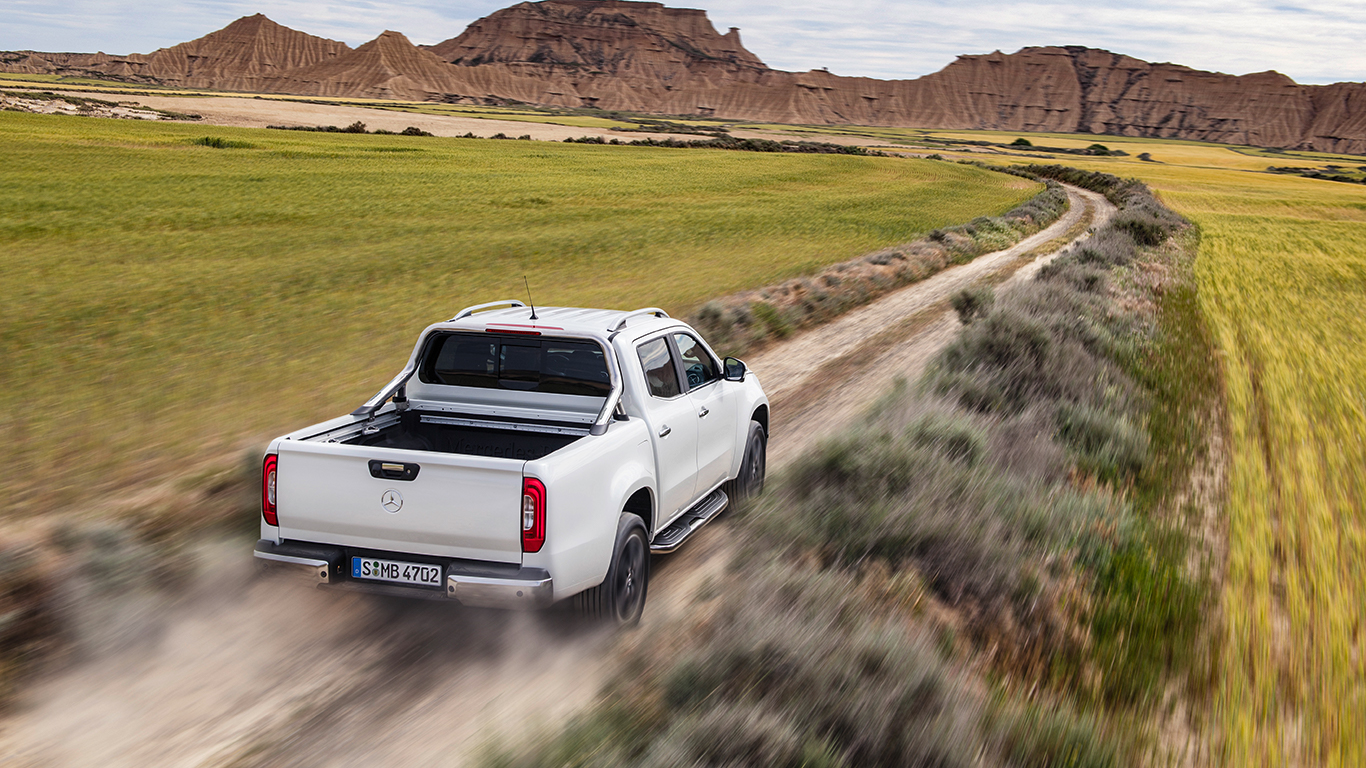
<point x="251" y="671"/>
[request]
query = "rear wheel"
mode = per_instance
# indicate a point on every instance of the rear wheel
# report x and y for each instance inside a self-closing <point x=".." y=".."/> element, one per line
<point x="750" y="481"/>
<point x="620" y="598"/>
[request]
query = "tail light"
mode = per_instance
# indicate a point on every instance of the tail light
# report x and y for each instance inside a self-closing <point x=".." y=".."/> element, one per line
<point x="533" y="514"/>
<point x="268" y="471"/>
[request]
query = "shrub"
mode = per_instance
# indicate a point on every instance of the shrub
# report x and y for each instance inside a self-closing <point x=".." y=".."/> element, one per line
<point x="1109" y="248"/>
<point x="1005" y="339"/>
<point x="798" y="669"/>
<point x="1022" y="142"/>
<point x="1144" y="229"/>
<point x="954" y="436"/>
<point x="971" y="303"/>
<point x="357" y="127"/>
<point x="912" y="495"/>
<point x="217" y="142"/>
<point x="1107" y="444"/>
<point x="772" y="320"/>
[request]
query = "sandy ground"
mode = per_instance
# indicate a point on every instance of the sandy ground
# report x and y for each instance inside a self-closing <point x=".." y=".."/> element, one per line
<point x="247" y="112"/>
<point x="245" y="670"/>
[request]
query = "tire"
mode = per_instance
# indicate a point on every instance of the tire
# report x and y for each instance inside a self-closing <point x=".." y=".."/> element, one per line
<point x="750" y="481"/>
<point x="620" y="598"/>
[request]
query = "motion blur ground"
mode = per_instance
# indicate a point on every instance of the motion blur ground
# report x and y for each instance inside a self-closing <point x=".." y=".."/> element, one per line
<point x="243" y="670"/>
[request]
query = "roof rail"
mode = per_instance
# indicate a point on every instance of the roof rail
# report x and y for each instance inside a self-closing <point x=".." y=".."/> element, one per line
<point x="467" y="311"/>
<point x="654" y="311"/>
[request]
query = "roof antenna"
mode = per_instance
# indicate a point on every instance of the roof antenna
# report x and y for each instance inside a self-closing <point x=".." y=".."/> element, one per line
<point x="528" y="297"/>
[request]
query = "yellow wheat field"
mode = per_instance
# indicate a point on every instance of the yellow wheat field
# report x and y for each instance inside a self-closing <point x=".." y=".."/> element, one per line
<point x="1282" y="281"/>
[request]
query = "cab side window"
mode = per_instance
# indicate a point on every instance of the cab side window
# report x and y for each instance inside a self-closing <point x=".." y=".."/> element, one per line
<point x="660" y="372"/>
<point x="699" y="366"/>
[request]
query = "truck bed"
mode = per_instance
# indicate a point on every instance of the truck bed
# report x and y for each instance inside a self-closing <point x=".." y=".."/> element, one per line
<point x="469" y="437"/>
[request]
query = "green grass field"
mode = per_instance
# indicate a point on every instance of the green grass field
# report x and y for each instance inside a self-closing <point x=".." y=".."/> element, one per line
<point x="166" y="303"/>
<point x="1282" y="282"/>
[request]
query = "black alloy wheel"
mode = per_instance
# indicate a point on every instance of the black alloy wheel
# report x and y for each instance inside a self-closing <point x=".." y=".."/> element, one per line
<point x="630" y="579"/>
<point x="620" y="598"/>
<point x="750" y="480"/>
<point x="756" y="461"/>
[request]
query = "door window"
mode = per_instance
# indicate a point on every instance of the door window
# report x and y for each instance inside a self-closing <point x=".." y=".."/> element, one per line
<point x="660" y="372"/>
<point x="698" y="365"/>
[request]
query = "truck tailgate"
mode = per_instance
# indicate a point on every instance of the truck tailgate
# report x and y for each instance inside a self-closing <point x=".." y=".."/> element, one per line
<point x="456" y="506"/>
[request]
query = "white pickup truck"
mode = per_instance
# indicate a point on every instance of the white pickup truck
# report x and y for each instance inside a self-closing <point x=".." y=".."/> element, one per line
<point x="523" y="456"/>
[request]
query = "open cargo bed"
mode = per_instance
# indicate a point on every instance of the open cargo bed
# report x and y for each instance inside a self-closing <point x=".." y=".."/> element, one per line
<point x="470" y="436"/>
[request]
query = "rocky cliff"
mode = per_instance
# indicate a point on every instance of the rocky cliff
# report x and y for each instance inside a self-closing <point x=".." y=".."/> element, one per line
<point x="388" y="67"/>
<point x="645" y="57"/>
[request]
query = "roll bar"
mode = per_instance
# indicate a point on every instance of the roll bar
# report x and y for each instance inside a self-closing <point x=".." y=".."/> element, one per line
<point x="390" y="389"/>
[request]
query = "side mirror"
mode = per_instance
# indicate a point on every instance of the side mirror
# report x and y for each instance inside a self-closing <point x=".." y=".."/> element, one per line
<point x="735" y="369"/>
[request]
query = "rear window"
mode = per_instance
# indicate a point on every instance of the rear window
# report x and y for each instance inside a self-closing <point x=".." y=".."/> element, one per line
<point x="553" y="366"/>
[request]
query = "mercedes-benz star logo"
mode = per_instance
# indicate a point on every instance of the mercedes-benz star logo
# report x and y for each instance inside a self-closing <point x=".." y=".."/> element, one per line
<point x="392" y="501"/>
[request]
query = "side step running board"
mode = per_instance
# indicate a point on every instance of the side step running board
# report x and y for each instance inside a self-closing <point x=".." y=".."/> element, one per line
<point x="672" y="538"/>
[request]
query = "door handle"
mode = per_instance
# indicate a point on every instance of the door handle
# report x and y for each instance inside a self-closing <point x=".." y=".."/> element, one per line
<point x="703" y="414"/>
<point x="664" y="432"/>
<point x="393" y="470"/>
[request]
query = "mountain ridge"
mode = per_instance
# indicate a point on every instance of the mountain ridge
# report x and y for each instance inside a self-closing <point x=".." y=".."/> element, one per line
<point x="649" y="58"/>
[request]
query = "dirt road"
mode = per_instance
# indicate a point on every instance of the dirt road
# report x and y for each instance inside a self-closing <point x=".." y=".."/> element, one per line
<point x="245" y="671"/>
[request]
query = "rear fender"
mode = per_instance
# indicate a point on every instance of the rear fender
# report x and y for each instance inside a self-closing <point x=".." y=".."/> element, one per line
<point x="587" y="485"/>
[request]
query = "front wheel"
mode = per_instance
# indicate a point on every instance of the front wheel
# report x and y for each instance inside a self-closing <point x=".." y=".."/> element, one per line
<point x="620" y="598"/>
<point x="750" y="481"/>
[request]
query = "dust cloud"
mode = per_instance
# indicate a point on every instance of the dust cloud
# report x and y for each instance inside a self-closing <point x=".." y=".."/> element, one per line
<point x="245" y="669"/>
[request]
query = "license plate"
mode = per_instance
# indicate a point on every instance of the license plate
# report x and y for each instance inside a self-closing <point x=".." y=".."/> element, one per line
<point x="390" y="570"/>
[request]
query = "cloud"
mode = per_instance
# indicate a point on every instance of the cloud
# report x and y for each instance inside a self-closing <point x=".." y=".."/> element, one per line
<point x="880" y="38"/>
<point x="875" y="38"/>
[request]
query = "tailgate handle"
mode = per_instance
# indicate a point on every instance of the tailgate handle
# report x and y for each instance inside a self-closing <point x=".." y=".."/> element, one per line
<point x="393" y="470"/>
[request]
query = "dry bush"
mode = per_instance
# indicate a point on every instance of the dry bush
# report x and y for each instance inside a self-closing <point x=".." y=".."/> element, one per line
<point x="798" y="667"/>
<point x="970" y="502"/>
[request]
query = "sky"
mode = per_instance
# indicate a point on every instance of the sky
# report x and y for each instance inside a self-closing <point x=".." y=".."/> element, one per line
<point x="1318" y="43"/>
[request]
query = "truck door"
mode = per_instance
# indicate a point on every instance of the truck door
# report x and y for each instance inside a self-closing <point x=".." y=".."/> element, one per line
<point x="714" y="411"/>
<point x="670" y="415"/>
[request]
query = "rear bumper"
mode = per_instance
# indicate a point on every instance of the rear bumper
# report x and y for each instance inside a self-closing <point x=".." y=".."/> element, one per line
<point x="473" y="583"/>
